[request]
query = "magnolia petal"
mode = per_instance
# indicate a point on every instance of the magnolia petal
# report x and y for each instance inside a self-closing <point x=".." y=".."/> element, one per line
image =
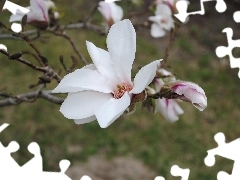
<point x="163" y="9"/>
<point x="193" y="93"/>
<point x="121" y="43"/>
<point x="157" y="31"/>
<point x="102" y="61"/>
<point x="111" y="110"/>
<point x="81" y="105"/>
<point x="104" y="9"/>
<point x="169" y="24"/>
<point x="90" y="66"/>
<point x="83" y="79"/>
<point x="155" y="19"/>
<point x="144" y="77"/>
<point x="198" y="100"/>
<point x="169" y="108"/>
<point x="38" y="11"/>
<point x="117" y="12"/>
<point x="85" y="120"/>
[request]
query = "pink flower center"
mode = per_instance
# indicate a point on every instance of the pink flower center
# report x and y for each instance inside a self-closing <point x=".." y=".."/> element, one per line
<point x="121" y="89"/>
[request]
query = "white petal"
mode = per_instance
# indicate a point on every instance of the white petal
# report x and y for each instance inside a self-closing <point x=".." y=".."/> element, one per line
<point x="111" y="110"/>
<point x="168" y="24"/>
<point x="90" y="66"/>
<point x="157" y="31"/>
<point x="117" y="12"/>
<point x="155" y="19"/>
<point x="144" y="77"/>
<point x="38" y="11"/>
<point x="104" y="9"/>
<point x="85" y="120"/>
<point x="83" y="79"/>
<point x="169" y="108"/>
<point x="102" y="61"/>
<point x="163" y="9"/>
<point x="82" y="104"/>
<point x="194" y="93"/>
<point x="121" y="43"/>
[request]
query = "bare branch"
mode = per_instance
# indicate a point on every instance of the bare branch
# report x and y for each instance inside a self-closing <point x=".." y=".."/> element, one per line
<point x="170" y="43"/>
<point x="64" y="35"/>
<point x="31" y="97"/>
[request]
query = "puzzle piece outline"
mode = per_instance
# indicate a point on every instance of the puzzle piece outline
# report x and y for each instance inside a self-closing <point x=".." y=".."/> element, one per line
<point x="176" y="171"/>
<point x="227" y="150"/>
<point x="182" y="7"/>
<point x="33" y="169"/>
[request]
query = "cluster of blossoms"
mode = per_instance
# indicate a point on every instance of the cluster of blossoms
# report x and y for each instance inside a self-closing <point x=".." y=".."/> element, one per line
<point x="104" y="90"/>
<point x="171" y="91"/>
<point x="163" y="19"/>
<point x="41" y="14"/>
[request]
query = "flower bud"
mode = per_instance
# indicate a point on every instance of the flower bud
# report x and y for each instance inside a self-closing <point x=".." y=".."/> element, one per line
<point x="187" y="91"/>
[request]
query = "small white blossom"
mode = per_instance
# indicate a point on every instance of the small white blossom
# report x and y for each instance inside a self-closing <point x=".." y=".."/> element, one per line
<point x="162" y="21"/>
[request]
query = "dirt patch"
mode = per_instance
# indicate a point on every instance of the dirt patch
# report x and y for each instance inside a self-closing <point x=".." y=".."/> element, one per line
<point x="120" y="168"/>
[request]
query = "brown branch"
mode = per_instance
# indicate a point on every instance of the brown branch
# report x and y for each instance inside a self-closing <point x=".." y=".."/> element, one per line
<point x="170" y="43"/>
<point x="49" y="73"/>
<point x="27" y="39"/>
<point x="31" y="97"/>
<point x="64" y="35"/>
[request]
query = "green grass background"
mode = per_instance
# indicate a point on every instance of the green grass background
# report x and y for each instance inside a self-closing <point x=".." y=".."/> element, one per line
<point x="147" y="137"/>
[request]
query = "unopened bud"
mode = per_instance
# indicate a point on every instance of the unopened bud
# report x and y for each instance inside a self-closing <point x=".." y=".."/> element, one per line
<point x="15" y="56"/>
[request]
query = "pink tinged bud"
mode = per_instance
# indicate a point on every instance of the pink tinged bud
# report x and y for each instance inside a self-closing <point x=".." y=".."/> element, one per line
<point x="190" y="92"/>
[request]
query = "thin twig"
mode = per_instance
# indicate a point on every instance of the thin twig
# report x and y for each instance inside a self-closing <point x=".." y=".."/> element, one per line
<point x="34" y="56"/>
<point x="92" y="11"/>
<point x="64" y="35"/>
<point x="170" y="43"/>
<point x="31" y="97"/>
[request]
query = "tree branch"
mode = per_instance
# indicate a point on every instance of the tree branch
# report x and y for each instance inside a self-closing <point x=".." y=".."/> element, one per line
<point x="31" y="97"/>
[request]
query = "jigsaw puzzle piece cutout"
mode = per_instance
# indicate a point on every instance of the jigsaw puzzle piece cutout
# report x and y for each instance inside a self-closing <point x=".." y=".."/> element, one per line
<point x="159" y="178"/>
<point x="236" y="16"/>
<point x="227" y="150"/>
<point x="177" y="171"/>
<point x="222" y="51"/>
<point x="87" y="178"/>
<point x="182" y="7"/>
<point x="5" y="125"/>
<point x="35" y="164"/>
<point x="5" y="156"/>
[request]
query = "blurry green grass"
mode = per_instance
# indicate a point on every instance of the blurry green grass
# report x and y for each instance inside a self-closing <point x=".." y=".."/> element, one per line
<point x="159" y="144"/>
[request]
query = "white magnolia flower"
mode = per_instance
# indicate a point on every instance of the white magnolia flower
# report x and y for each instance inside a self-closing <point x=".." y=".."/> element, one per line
<point x="38" y="14"/>
<point x="162" y="21"/>
<point x="169" y="108"/>
<point x="111" y="12"/>
<point x="104" y="90"/>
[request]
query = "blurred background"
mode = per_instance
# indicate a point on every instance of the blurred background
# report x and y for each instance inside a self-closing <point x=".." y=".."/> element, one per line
<point x="141" y="145"/>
